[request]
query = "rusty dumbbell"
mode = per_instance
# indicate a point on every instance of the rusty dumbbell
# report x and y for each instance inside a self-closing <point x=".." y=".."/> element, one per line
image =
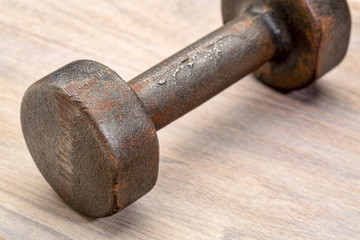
<point x="93" y="136"/>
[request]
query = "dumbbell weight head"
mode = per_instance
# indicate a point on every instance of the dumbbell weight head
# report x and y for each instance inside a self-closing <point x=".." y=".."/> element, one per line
<point x="319" y="32"/>
<point x="90" y="137"/>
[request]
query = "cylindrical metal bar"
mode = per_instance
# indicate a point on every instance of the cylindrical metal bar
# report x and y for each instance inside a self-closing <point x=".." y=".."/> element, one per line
<point x="203" y="69"/>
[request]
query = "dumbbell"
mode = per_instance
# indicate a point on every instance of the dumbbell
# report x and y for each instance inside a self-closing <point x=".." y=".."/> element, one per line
<point x="93" y="136"/>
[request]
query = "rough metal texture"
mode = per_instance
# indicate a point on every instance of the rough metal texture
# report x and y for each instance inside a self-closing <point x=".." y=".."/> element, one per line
<point x="93" y="136"/>
<point x="90" y="137"/>
<point x="319" y="32"/>
<point x="203" y="69"/>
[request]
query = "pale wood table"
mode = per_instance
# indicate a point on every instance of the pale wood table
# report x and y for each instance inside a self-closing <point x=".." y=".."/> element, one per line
<point x="249" y="164"/>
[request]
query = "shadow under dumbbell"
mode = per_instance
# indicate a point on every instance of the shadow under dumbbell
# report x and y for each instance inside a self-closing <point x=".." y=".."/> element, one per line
<point x="247" y="131"/>
<point x="308" y="94"/>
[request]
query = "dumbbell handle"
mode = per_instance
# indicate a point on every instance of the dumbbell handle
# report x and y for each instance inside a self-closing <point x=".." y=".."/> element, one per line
<point x="190" y="77"/>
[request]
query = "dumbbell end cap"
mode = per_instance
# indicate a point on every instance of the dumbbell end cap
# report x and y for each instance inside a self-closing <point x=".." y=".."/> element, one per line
<point x="319" y="33"/>
<point x="90" y="137"/>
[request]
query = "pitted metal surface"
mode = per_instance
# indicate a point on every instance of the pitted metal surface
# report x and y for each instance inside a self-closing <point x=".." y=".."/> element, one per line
<point x="91" y="138"/>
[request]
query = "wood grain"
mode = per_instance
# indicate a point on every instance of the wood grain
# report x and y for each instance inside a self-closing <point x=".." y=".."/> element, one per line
<point x="249" y="164"/>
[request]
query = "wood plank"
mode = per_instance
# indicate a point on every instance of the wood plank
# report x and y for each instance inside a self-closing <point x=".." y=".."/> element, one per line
<point x="250" y="163"/>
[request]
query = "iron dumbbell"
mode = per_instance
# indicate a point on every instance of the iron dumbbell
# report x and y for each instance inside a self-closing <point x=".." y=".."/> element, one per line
<point x="93" y="136"/>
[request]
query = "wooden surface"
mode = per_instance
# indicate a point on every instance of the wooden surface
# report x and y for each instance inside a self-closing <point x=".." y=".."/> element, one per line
<point x="249" y="164"/>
